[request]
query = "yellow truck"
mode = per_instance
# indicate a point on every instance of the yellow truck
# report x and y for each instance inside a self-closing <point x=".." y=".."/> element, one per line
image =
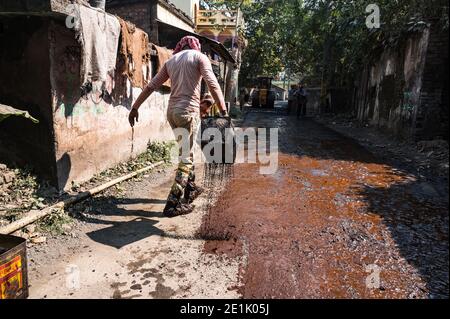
<point x="264" y="95"/>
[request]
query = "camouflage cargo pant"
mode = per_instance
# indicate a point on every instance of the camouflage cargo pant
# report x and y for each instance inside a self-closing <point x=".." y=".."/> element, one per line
<point x="183" y="119"/>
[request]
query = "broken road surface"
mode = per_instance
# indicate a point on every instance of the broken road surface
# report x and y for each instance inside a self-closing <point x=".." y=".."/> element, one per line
<point x="334" y="221"/>
<point x="124" y="248"/>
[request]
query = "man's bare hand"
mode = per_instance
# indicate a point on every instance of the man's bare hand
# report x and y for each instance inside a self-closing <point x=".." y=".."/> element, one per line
<point x="133" y="117"/>
<point x="224" y="113"/>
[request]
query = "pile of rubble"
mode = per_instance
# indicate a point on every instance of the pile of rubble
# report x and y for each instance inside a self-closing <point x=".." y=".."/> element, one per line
<point x="6" y="176"/>
<point x="19" y="192"/>
<point x="429" y="159"/>
<point x="435" y="149"/>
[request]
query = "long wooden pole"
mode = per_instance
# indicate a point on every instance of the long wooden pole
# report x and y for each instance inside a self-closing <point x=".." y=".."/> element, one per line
<point x="35" y="215"/>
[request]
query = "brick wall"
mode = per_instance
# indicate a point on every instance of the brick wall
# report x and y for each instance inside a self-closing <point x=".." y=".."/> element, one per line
<point x="432" y="117"/>
<point x="137" y="13"/>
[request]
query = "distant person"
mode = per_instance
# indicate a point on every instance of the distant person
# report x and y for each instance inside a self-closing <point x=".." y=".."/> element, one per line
<point x="252" y="95"/>
<point x="247" y="96"/>
<point x="302" y="100"/>
<point x="291" y="98"/>
<point x="243" y="93"/>
<point x="185" y="69"/>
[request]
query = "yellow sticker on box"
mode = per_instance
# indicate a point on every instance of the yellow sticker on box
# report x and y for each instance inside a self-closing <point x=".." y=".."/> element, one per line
<point x="11" y="278"/>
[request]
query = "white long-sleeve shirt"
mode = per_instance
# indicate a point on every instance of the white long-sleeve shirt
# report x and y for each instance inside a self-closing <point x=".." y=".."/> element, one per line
<point x="186" y="70"/>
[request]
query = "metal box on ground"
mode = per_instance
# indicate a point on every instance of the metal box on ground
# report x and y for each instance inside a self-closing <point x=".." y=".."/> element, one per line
<point x="13" y="268"/>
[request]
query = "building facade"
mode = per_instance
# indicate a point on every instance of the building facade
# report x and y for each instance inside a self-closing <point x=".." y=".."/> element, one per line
<point x="226" y="27"/>
<point x="83" y="127"/>
<point x="150" y="14"/>
<point x="189" y="7"/>
<point x="405" y="89"/>
<point x="80" y="133"/>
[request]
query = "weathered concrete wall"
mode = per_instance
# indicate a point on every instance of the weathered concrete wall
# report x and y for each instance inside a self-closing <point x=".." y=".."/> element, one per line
<point x="168" y="17"/>
<point x="405" y="90"/>
<point x="390" y="87"/>
<point x="91" y="134"/>
<point x="187" y="6"/>
<point x="313" y="105"/>
<point x="138" y="13"/>
<point x="25" y="84"/>
<point x="432" y="116"/>
<point x="26" y="5"/>
<point x="78" y="135"/>
<point x="38" y="7"/>
<point x="145" y="13"/>
<point x="142" y="13"/>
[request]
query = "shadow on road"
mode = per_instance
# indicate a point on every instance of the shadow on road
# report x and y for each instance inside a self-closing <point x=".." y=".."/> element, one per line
<point x="412" y="210"/>
<point x="121" y="234"/>
<point x="419" y="225"/>
<point x="110" y="210"/>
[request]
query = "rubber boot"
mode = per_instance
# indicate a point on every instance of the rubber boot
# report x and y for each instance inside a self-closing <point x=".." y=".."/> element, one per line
<point x="179" y="210"/>
<point x="192" y="191"/>
<point x="175" y="205"/>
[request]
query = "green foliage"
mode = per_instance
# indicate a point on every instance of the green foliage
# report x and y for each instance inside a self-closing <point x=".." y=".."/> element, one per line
<point x="325" y="38"/>
<point x="24" y="181"/>
<point x="225" y="4"/>
<point x="155" y="152"/>
<point x="54" y="223"/>
<point x="23" y="190"/>
<point x="23" y="193"/>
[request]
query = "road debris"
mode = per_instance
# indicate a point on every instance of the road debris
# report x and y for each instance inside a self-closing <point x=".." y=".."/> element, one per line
<point x="332" y="218"/>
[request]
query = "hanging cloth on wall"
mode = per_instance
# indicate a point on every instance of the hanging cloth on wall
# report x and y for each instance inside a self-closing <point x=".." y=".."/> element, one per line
<point x="98" y="34"/>
<point x="134" y="54"/>
<point x="164" y="55"/>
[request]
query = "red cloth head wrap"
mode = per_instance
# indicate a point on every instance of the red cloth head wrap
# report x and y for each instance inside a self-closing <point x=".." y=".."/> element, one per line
<point x="190" y="41"/>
